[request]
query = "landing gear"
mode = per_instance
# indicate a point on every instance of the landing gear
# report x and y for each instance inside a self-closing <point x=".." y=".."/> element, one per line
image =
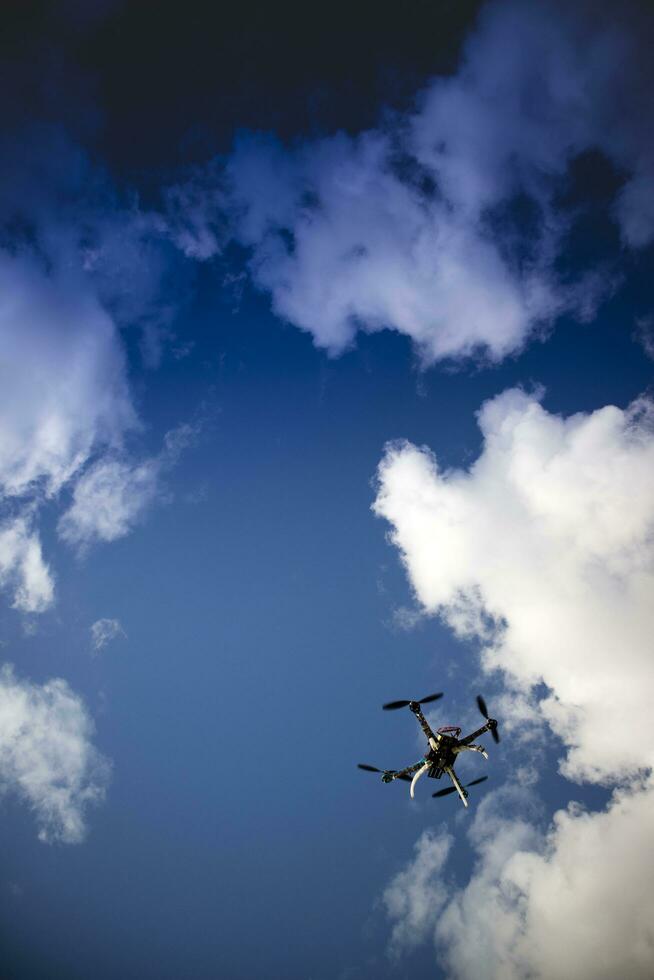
<point x="457" y="785"/>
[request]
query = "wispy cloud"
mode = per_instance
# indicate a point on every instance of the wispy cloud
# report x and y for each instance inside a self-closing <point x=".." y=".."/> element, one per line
<point x="103" y="631"/>
<point x="108" y="500"/>
<point x="114" y="494"/>
<point x="415" y="897"/>
<point x="644" y="334"/>
<point x="47" y="757"/>
<point x="22" y="567"/>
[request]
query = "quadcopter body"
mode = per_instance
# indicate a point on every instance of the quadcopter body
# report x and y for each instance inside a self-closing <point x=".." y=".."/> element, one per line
<point x="443" y="748"/>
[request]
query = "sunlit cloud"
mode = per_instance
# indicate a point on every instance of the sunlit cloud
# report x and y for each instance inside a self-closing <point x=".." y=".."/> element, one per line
<point x="574" y="903"/>
<point x="542" y="552"/>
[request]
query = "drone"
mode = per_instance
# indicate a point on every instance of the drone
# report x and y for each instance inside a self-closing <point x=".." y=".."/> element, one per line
<point x="444" y="747"/>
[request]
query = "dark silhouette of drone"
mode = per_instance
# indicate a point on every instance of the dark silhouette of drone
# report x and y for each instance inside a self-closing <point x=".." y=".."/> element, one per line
<point x="444" y="747"/>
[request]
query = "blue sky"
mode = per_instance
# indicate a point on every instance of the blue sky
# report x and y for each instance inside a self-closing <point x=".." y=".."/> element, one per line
<point x="326" y="381"/>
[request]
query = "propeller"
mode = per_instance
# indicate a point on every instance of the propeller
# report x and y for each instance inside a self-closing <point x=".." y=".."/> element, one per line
<point x="452" y="789"/>
<point x="481" y="704"/>
<point x="394" y="705"/>
<point x="362" y="765"/>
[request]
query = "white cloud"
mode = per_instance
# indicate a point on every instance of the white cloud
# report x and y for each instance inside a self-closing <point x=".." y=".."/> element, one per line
<point x="548" y="535"/>
<point x="374" y="252"/>
<point x="46" y="755"/>
<point x="576" y="904"/>
<point x="22" y="567"/>
<point x="423" y="907"/>
<point x="414" y="226"/>
<point x="103" y="631"/>
<point x="544" y="552"/>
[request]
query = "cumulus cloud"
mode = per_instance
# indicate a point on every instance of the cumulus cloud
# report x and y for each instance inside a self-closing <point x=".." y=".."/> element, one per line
<point x="574" y="903"/>
<point x="543" y="551"/>
<point x="445" y="223"/>
<point x="103" y="631"/>
<point x="370" y="250"/>
<point x="46" y="755"/>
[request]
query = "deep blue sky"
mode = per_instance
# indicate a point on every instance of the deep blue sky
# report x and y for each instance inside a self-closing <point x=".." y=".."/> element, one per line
<point x="258" y="594"/>
<point x="238" y="839"/>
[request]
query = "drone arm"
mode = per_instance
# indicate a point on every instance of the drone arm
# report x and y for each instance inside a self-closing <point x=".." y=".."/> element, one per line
<point x="429" y="735"/>
<point x="473" y="735"/>
<point x="409" y="771"/>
